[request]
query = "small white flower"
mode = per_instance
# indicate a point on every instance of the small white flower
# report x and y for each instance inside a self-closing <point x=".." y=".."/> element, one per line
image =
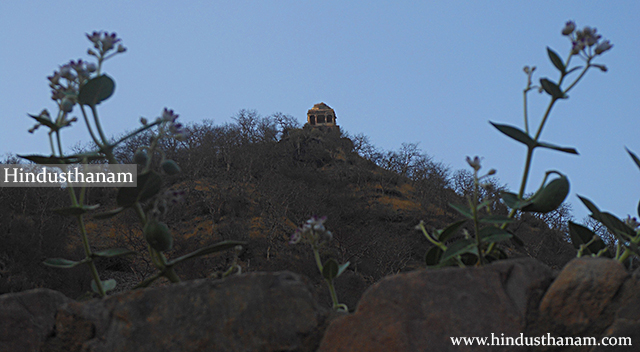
<point x="108" y="40"/>
<point x="168" y="115"/>
<point x="569" y="27"/>
<point x="577" y="47"/>
<point x="65" y="71"/>
<point x="475" y="163"/>
<point x="604" y="46"/>
<point x="94" y="37"/>
<point x="296" y="237"/>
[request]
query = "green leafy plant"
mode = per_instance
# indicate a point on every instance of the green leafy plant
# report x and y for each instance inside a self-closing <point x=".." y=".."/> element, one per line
<point x="315" y="234"/>
<point x="585" y="45"/>
<point x="469" y="250"/>
<point x="82" y="84"/>
<point x="626" y="232"/>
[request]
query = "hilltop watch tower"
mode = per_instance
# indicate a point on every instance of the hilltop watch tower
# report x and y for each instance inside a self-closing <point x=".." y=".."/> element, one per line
<point x="321" y="115"/>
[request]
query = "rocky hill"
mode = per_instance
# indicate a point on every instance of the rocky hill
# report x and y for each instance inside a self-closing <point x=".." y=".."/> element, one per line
<point x="257" y="185"/>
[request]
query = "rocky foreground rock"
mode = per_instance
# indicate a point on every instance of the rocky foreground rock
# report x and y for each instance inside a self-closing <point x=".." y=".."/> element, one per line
<point x="415" y="311"/>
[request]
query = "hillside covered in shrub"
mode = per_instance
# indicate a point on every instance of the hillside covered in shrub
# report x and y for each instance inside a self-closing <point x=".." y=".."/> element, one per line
<point x="256" y="180"/>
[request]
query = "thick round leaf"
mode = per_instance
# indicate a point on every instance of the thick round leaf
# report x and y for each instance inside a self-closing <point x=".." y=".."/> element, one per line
<point x="512" y="200"/>
<point x="581" y="235"/>
<point x="611" y="222"/>
<point x="107" y="285"/>
<point x="496" y="219"/>
<point x="433" y="255"/>
<point x="450" y="230"/>
<point x="462" y="210"/>
<point x="152" y="186"/>
<point x="149" y="184"/>
<point x="96" y="90"/>
<point x="490" y="234"/>
<point x="170" y="167"/>
<point x="158" y="235"/>
<point x="617" y="226"/>
<point x="550" y="196"/>
<point x="330" y="269"/>
<point x="458" y="248"/>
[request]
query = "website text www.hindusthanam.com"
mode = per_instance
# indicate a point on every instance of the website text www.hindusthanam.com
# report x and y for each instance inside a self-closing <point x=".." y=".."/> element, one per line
<point x="85" y="175"/>
<point x="547" y="340"/>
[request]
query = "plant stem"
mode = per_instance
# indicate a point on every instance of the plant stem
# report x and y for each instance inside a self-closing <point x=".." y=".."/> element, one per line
<point x="83" y="230"/>
<point x="624" y="255"/>
<point x="59" y="144"/>
<point x="579" y="77"/>
<point x="527" y="165"/>
<point x="53" y="151"/>
<point x="168" y="271"/>
<point x="544" y="118"/>
<point x="526" y="114"/>
<point x="88" y="254"/>
<point x="316" y="254"/>
<point x="98" y="126"/>
<point x="474" y="210"/>
<point x="141" y="129"/>
<point x="86" y="120"/>
<point x="432" y="240"/>
<point x="332" y="292"/>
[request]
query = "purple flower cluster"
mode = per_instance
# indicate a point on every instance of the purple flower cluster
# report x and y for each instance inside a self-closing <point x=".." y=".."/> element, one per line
<point x="176" y="128"/>
<point x="105" y="42"/>
<point x="584" y="40"/>
<point x="165" y="200"/>
<point x="65" y="82"/>
<point x="312" y="231"/>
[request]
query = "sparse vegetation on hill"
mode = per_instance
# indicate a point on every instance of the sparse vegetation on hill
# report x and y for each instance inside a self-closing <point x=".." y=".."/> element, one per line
<point x="256" y="180"/>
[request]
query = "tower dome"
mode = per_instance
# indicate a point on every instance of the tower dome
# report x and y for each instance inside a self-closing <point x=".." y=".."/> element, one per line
<point x="321" y="115"/>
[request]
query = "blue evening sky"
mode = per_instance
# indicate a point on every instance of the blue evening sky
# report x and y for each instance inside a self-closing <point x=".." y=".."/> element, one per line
<point x="433" y="72"/>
